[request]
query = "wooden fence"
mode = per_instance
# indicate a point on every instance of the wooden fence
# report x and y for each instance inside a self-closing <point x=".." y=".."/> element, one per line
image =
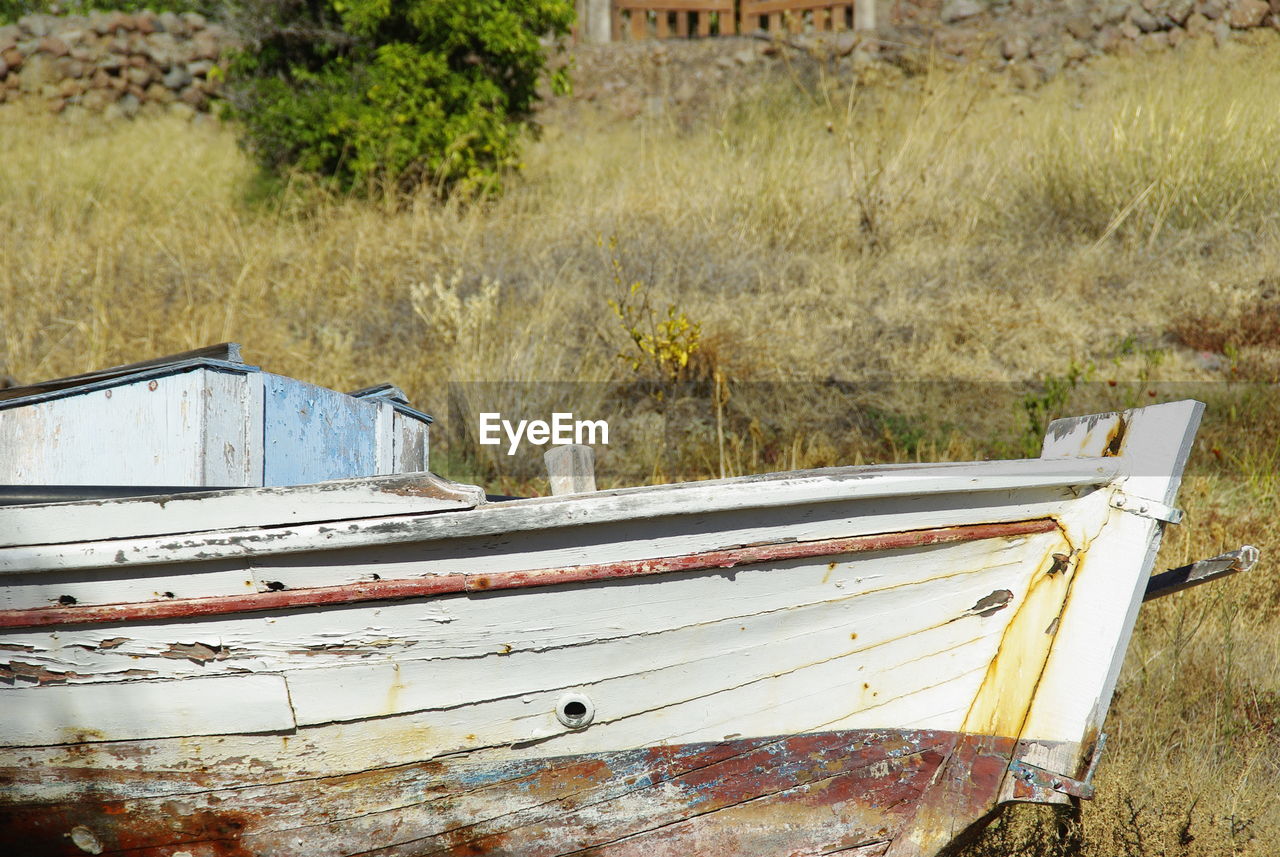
<point x="618" y="20"/>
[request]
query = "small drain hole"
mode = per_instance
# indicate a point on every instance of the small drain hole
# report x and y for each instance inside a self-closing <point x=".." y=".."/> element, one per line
<point x="575" y="710"/>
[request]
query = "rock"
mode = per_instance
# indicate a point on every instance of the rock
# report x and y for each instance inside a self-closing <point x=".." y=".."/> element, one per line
<point x="1199" y="26"/>
<point x="98" y="99"/>
<point x="1221" y="32"/>
<point x="196" y="98"/>
<point x="163" y="50"/>
<point x="1179" y="10"/>
<point x="1130" y="30"/>
<point x="110" y="62"/>
<point x="1080" y="26"/>
<point x="54" y="46"/>
<point x="1245" y="14"/>
<point x="75" y="69"/>
<point x="1115" y="11"/>
<point x="203" y="46"/>
<point x="1177" y="36"/>
<point x="1143" y="20"/>
<point x="745" y="56"/>
<point x="178" y="76"/>
<point x="36" y="25"/>
<point x="70" y="88"/>
<point x="146" y="22"/>
<point x="13" y="58"/>
<point x="182" y="111"/>
<point x="138" y="76"/>
<point x="172" y="24"/>
<point x="158" y="93"/>
<point x="201" y="68"/>
<point x="37" y="72"/>
<point x="958" y="10"/>
<point x="1075" y="50"/>
<point x="1014" y="47"/>
<point x="195" y="20"/>
<point x="1211" y="9"/>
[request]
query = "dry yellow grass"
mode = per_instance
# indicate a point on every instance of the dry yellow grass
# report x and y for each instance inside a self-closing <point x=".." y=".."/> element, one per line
<point x="836" y="246"/>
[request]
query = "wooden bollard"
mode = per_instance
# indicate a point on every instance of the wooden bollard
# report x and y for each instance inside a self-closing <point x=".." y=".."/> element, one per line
<point x="571" y="468"/>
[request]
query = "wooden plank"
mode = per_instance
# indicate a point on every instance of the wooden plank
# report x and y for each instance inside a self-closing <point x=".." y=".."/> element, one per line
<point x="770" y="7"/>
<point x="301" y="555"/>
<point x="276" y="597"/>
<point x="616" y="24"/>
<point x="679" y="5"/>
<point x="838" y="18"/>
<point x="225" y="351"/>
<point x="664" y="30"/>
<point x="639" y="24"/>
<point x="820" y="20"/>
<point x="351" y="499"/>
<point x="725" y="22"/>
<point x="469" y="627"/>
<point x="230" y="430"/>
<point x="127" y="711"/>
<point x="572" y="467"/>
<point x="704" y="23"/>
<point x="682" y="24"/>
<point x="750" y="21"/>
<point x="78" y="440"/>
<point x="917" y="616"/>
<point x="1092" y="637"/>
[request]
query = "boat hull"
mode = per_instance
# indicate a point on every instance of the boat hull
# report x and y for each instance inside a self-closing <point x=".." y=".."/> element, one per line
<point x="848" y="661"/>
<point x="848" y="791"/>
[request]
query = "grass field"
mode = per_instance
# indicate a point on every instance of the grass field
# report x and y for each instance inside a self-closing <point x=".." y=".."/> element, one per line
<point x="824" y="270"/>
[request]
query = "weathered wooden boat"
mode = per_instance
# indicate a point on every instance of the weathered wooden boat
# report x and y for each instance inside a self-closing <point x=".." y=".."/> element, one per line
<point x="855" y="661"/>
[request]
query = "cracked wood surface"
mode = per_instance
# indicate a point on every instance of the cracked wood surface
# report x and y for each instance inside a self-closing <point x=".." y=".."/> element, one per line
<point x="813" y="794"/>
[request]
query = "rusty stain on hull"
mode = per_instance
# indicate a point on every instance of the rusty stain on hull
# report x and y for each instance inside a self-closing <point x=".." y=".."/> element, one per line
<point x="383" y="590"/>
<point x="808" y="794"/>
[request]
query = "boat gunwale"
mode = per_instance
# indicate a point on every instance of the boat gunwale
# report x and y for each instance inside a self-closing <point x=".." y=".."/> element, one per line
<point x="480" y="518"/>
<point x="465" y="583"/>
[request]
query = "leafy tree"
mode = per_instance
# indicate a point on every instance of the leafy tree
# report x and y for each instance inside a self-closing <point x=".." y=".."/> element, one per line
<point x="376" y="94"/>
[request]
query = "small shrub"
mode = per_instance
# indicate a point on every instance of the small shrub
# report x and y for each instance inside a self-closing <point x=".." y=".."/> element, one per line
<point x="378" y="96"/>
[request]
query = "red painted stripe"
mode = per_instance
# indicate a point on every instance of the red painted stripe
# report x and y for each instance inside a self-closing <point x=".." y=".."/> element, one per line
<point x="386" y="590"/>
<point x="753" y="554"/>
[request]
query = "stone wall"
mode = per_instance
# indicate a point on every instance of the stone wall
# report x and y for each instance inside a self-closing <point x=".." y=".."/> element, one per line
<point x="112" y="62"/>
<point x="122" y="64"/>
<point x="1045" y="35"/>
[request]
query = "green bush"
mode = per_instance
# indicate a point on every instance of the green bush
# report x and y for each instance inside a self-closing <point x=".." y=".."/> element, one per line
<point x="375" y="96"/>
